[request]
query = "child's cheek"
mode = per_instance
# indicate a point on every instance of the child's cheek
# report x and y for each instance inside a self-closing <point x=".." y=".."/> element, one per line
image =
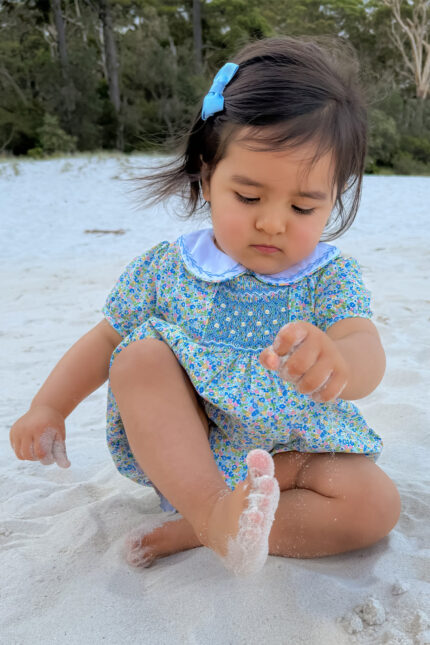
<point x="306" y="238"/>
<point x="233" y="231"/>
<point x="228" y="234"/>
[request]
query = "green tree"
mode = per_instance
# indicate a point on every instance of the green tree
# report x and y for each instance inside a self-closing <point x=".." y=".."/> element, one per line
<point x="50" y="48"/>
<point x="52" y="137"/>
<point x="228" y="24"/>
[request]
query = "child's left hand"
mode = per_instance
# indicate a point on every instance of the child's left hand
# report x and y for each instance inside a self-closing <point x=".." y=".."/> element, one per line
<point x="304" y="355"/>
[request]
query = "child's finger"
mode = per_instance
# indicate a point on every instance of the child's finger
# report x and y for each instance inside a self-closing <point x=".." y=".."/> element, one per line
<point x="46" y="442"/>
<point x="297" y="363"/>
<point x="54" y="448"/>
<point x="14" y="447"/>
<point x="32" y="455"/>
<point x="60" y="455"/>
<point x="17" y="448"/>
<point x="289" y="337"/>
<point x="316" y="378"/>
<point x="330" y="390"/>
<point x="39" y="450"/>
<point x="27" y="451"/>
<point x="48" y="459"/>
<point x="270" y="359"/>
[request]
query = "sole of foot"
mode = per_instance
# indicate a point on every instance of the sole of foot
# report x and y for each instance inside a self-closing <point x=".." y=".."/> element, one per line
<point x="247" y="552"/>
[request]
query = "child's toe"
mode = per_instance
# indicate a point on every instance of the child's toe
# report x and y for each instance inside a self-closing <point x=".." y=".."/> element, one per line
<point x="260" y="463"/>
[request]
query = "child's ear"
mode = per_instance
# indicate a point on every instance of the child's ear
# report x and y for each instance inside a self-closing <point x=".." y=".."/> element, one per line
<point x="205" y="181"/>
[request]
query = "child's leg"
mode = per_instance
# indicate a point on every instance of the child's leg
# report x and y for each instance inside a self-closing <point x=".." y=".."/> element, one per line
<point x="169" y="441"/>
<point x="330" y="503"/>
<point x="340" y="502"/>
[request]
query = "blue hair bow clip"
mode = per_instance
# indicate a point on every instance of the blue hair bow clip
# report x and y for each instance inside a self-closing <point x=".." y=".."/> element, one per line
<point x="214" y="100"/>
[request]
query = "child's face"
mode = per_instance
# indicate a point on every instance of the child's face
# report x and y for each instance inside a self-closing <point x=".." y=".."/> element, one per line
<point x="255" y="205"/>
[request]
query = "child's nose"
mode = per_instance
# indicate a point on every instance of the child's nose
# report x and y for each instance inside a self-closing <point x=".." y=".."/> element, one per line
<point x="272" y="221"/>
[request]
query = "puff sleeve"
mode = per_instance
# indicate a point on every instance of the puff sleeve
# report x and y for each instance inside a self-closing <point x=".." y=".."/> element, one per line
<point x="340" y="293"/>
<point x="133" y="299"/>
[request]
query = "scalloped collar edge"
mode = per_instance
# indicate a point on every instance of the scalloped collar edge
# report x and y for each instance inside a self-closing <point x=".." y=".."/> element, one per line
<point x="204" y="260"/>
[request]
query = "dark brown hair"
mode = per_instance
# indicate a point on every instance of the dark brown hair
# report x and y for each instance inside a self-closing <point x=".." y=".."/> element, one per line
<point x="286" y="92"/>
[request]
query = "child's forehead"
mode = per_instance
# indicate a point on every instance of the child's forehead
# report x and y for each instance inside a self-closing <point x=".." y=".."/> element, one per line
<point x="245" y="158"/>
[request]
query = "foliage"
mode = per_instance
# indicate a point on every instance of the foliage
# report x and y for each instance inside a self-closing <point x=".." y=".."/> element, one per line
<point x="405" y="164"/>
<point x="417" y="147"/>
<point x="383" y="137"/>
<point x="53" y="138"/>
<point x="45" y="107"/>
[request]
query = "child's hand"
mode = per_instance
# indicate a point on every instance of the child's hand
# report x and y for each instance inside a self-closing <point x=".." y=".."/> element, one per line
<point x="304" y="355"/>
<point x="39" y="435"/>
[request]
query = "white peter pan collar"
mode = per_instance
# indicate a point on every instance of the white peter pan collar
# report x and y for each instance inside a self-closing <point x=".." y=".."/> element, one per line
<point x="204" y="260"/>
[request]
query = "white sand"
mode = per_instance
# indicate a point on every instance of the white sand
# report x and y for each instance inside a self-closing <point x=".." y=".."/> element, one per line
<point x="63" y="576"/>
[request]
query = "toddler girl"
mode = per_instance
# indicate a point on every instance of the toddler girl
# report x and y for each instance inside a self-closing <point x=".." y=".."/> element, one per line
<point x="235" y="351"/>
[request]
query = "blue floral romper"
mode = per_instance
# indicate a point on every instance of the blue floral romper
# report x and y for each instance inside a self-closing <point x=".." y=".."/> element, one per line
<point x="217" y="316"/>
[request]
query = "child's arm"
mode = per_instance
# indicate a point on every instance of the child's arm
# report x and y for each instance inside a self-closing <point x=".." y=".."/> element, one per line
<point x="347" y="361"/>
<point x="81" y="371"/>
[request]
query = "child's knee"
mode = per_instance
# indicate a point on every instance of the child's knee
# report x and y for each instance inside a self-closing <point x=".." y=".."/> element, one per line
<point x="376" y="508"/>
<point x="388" y="505"/>
<point x="143" y="357"/>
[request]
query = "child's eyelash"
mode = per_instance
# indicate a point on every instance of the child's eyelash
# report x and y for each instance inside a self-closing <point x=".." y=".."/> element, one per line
<point x="303" y="211"/>
<point x="253" y="200"/>
<point x="246" y="200"/>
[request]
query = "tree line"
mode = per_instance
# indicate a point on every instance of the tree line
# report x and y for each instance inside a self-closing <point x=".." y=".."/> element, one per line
<point x="80" y="75"/>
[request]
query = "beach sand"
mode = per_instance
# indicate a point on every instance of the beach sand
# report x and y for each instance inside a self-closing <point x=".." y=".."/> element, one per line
<point x="63" y="574"/>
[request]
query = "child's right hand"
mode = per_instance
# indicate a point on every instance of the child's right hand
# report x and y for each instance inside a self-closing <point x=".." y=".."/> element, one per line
<point x="39" y="436"/>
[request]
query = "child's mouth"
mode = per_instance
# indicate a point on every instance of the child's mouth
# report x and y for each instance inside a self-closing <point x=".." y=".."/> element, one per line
<point x="265" y="249"/>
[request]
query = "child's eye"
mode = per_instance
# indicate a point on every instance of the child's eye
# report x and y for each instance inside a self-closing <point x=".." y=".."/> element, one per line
<point x="303" y="211"/>
<point x="246" y="200"/>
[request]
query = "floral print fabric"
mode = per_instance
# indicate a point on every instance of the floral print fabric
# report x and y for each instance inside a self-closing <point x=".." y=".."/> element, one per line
<point x="217" y="328"/>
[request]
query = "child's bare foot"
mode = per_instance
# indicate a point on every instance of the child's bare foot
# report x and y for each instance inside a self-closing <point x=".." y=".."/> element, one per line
<point x="240" y="523"/>
<point x="238" y="528"/>
<point x="144" y="545"/>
